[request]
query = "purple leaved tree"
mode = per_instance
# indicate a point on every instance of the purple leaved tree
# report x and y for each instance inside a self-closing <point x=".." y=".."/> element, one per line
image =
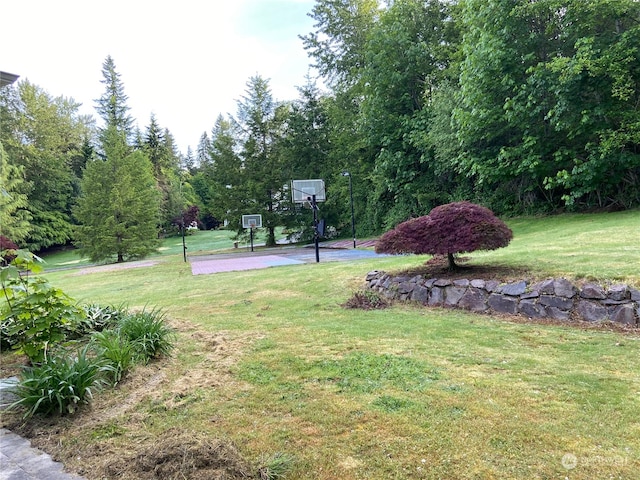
<point x="448" y="229"/>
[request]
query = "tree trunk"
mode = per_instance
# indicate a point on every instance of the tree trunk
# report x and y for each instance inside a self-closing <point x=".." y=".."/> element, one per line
<point x="271" y="237"/>
<point x="452" y="263"/>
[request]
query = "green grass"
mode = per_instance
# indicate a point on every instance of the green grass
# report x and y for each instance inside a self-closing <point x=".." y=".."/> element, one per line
<point x="597" y="247"/>
<point x="270" y="360"/>
<point x="197" y="243"/>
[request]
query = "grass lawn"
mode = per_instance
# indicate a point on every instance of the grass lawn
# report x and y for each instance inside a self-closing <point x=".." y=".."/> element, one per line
<point x="197" y="243"/>
<point x="269" y="361"/>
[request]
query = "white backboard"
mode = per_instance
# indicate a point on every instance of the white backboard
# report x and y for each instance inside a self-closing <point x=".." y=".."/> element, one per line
<point x="252" y="221"/>
<point x="303" y="190"/>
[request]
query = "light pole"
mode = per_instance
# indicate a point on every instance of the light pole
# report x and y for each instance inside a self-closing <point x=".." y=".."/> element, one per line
<point x="184" y="245"/>
<point x="353" y="218"/>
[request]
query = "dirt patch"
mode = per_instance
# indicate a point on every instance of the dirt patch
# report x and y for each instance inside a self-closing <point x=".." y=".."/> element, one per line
<point x="116" y="266"/>
<point x="180" y="455"/>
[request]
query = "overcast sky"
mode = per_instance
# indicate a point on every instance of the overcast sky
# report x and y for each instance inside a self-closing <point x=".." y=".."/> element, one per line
<point x="187" y="61"/>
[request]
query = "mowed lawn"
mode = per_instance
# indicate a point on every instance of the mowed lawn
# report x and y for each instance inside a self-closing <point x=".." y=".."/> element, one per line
<point x="270" y="361"/>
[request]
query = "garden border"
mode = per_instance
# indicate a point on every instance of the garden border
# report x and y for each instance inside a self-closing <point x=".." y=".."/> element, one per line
<point x="556" y="299"/>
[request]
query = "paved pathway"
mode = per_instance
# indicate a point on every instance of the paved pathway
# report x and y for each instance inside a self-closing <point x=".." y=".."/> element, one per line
<point x="20" y="461"/>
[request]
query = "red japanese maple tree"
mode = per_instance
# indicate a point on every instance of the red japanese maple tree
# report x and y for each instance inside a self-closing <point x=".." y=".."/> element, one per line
<point x="457" y="227"/>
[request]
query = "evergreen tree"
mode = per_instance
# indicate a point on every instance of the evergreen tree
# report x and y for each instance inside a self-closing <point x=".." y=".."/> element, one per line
<point x="118" y="210"/>
<point x="158" y="145"/>
<point x="223" y="173"/>
<point x="112" y="105"/>
<point x="261" y="122"/>
<point x="44" y="137"/>
<point x="407" y="57"/>
<point x="14" y="216"/>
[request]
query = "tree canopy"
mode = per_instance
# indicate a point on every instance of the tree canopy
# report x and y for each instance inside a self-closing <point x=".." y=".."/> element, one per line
<point x="520" y="106"/>
<point x="457" y="227"/>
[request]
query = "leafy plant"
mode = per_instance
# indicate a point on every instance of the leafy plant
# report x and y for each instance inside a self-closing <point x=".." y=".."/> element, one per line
<point x="148" y="333"/>
<point x="35" y="314"/>
<point x="60" y="384"/>
<point x="96" y="318"/>
<point x="448" y="229"/>
<point x="116" y="351"/>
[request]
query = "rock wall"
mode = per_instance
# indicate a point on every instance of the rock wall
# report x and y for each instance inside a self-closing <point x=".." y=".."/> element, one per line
<point x="557" y="299"/>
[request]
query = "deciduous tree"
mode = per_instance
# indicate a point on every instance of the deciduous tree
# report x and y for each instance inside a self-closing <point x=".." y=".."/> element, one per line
<point x="448" y="229"/>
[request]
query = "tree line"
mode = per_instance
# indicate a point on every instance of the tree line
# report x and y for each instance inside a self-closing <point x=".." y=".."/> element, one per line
<point x="522" y="106"/>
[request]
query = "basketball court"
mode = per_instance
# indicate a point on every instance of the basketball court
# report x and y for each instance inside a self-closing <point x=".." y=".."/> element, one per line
<point x="304" y="192"/>
<point x="205" y="265"/>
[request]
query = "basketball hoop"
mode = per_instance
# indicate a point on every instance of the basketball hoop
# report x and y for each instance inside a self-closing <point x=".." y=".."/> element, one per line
<point x="251" y="222"/>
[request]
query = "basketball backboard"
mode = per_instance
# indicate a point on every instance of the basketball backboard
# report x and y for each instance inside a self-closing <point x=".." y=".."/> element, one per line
<point x="303" y="190"/>
<point x="252" y="221"/>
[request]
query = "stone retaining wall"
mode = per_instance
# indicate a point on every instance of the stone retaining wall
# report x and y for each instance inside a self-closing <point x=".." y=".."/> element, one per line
<point x="557" y="298"/>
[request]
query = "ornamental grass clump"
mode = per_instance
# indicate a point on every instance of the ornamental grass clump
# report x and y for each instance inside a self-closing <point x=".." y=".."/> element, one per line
<point x="61" y="383"/>
<point x="458" y="227"/>
<point x="148" y="333"/>
<point x="116" y="351"/>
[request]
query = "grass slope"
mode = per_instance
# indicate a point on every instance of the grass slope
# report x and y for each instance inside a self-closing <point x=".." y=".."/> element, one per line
<point x="269" y="360"/>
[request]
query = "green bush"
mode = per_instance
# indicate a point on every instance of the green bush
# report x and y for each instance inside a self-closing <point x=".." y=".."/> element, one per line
<point x="34" y="314"/>
<point x="61" y="383"/>
<point x="148" y="333"/>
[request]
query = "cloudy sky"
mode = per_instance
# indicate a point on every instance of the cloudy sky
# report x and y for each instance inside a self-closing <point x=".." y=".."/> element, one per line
<point x="186" y="61"/>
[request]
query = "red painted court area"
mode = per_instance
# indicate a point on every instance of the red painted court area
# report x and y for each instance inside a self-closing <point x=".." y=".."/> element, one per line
<point x="203" y="267"/>
<point x="338" y="251"/>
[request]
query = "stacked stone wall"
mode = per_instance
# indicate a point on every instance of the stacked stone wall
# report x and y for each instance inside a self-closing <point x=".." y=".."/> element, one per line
<point x="558" y="299"/>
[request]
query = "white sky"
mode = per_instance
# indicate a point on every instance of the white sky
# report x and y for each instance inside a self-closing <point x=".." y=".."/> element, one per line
<point x="187" y="61"/>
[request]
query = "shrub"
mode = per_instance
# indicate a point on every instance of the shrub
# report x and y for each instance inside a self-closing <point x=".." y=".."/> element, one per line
<point x="60" y="384"/>
<point x="148" y="333"/>
<point x="7" y="251"/>
<point x="35" y="314"/>
<point x="448" y="229"/>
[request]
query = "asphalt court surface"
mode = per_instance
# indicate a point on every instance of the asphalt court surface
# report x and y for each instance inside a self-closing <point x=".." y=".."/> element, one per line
<point x="204" y="265"/>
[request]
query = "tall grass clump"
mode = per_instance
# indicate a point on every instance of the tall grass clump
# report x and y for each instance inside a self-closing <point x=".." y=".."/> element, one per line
<point x="61" y="383"/>
<point x="148" y="332"/>
<point x="116" y="351"/>
<point x="276" y="466"/>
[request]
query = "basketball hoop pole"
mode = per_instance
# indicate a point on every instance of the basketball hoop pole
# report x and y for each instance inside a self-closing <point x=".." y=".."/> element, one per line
<point x="251" y="236"/>
<point x="314" y="207"/>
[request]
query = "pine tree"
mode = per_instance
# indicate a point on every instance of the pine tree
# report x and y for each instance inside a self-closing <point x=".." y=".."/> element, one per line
<point x="119" y="208"/>
<point x="262" y="122"/>
<point x="112" y="105"/>
<point x="118" y="211"/>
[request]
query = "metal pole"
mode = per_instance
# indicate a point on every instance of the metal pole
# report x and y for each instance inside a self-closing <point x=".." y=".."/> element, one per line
<point x="314" y="206"/>
<point x="353" y="217"/>
<point x="184" y="245"/>
<point x="251" y="229"/>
